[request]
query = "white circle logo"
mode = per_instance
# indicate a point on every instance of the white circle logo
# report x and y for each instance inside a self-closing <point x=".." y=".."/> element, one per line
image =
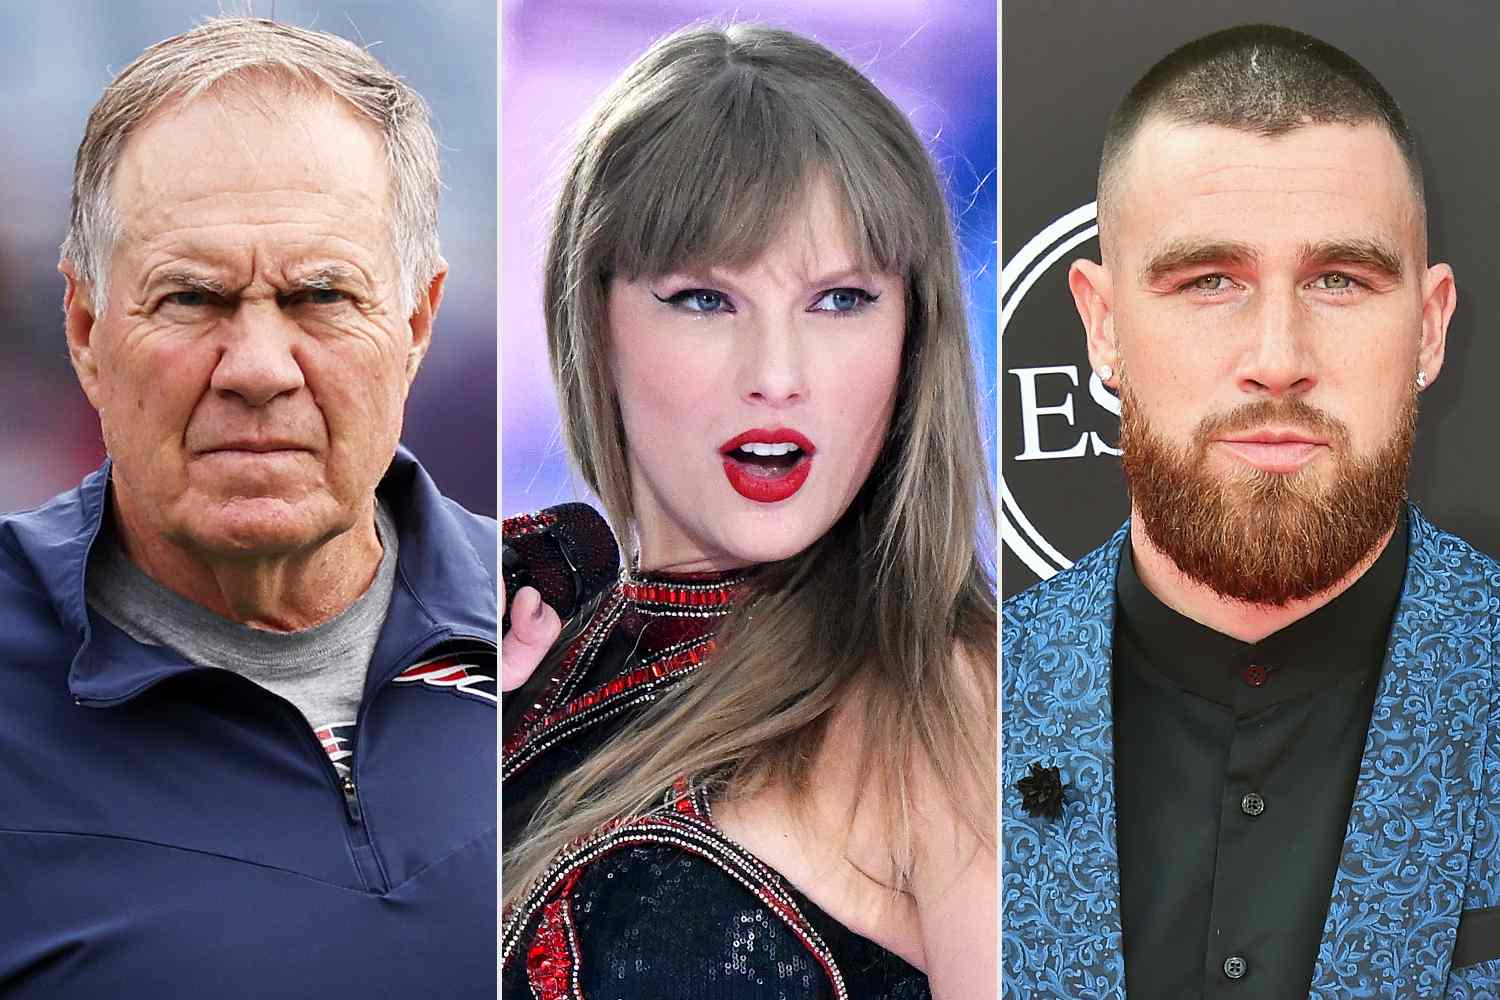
<point x="1016" y="278"/>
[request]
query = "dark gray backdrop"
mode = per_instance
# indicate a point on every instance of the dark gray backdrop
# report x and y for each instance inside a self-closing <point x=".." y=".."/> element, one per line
<point x="1064" y="67"/>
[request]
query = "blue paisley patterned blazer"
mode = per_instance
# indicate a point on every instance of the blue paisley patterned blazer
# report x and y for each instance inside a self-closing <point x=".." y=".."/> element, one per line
<point x="1421" y="846"/>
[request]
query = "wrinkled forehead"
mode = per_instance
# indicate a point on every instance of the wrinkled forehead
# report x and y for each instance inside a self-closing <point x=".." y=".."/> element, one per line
<point x="225" y="159"/>
<point x="1182" y="183"/>
<point x="247" y="138"/>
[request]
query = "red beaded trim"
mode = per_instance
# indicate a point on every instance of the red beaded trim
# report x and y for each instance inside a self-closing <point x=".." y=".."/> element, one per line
<point x="618" y="688"/>
<point x="689" y="657"/>
<point x="553" y="711"/>
<point x="521" y="525"/>
<point x="553" y="958"/>
<point x="684" y="799"/>
<point x="532" y="718"/>
<point x="689" y="596"/>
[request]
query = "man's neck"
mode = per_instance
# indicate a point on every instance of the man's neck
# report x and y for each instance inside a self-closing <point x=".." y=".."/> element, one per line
<point x="1240" y="619"/>
<point x="281" y="593"/>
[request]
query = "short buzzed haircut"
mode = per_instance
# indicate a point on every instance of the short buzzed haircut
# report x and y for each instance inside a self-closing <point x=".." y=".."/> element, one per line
<point x="1258" y="78"/>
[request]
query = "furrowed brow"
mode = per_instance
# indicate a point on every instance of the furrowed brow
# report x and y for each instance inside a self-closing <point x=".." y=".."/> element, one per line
<point x="1372" y="255"/>
<point x="1183" y="254"/>
<point x="324" y="277"/>
<point x="194" y="281"/>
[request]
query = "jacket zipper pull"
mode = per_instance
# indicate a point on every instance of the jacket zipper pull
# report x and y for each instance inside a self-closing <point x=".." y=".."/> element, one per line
<point x="351" y="802"/>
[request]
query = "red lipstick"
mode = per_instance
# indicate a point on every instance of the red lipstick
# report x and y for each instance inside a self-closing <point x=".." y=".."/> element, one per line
<point x="771" y="472"/>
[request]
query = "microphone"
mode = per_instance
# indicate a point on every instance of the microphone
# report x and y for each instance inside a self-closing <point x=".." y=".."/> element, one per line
<point x="566" y="552"/>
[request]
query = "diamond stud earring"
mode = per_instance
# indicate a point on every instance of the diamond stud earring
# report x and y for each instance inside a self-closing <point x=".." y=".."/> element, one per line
<point x="1421" y="380"/>
<point x="1106" y="373"/>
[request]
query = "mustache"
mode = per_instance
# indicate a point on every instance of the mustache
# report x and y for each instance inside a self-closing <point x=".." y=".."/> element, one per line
<point x="1263" y="538"/>
<point x="1293" y="413"/>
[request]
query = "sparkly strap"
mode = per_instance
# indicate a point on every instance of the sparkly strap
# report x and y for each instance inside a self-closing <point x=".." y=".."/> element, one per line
<point x="687" y="832"/>
<point x="708" y="595"/>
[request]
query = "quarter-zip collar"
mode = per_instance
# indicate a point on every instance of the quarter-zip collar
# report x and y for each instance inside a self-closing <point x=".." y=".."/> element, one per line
<point x="440" y="556"/>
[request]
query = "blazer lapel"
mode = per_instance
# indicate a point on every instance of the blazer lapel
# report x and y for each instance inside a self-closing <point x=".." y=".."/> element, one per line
<point x="1399" y="888"/>
<point x="1061" y="877"/>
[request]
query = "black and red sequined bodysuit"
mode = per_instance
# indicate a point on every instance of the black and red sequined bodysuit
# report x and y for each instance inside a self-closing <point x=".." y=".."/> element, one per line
<point x="661" y="906"/>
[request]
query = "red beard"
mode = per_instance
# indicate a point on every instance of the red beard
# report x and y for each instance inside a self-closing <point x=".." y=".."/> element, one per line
<point x="1260" y="537"/>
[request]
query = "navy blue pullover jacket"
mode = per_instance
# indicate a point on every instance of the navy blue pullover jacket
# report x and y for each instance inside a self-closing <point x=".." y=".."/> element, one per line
<point x="174" y="831"/>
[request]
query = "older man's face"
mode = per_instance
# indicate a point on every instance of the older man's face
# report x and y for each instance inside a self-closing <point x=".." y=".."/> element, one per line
<point x="252" y="365"/>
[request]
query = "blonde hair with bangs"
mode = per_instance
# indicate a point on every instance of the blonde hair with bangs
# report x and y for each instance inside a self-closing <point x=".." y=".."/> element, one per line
<point x="702" y="152"/>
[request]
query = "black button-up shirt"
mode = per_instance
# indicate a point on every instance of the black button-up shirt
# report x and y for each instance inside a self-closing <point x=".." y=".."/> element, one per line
<point x="1235" y="771"/>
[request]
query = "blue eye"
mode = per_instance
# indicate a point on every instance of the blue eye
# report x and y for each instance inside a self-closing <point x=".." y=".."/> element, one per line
<point x="320" y="296"/>
<point x="843" y="300"/>
<point x="187" y="300"/>
<point x="698" y="300"/>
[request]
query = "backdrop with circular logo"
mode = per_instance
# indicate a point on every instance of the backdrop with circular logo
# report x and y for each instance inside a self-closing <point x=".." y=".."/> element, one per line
<point x="1065" y="65"/>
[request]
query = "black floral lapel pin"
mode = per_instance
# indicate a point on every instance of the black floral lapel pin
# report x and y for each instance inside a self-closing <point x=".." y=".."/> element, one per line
<point x="1042" y="791"/>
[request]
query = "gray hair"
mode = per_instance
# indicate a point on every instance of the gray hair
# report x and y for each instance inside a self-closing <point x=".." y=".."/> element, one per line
<point x="184" y="67"/>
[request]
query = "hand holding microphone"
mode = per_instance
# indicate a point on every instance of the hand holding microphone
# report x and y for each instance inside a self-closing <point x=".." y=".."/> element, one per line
<point x="552" y="562"/>
<point x="534" y="627"/>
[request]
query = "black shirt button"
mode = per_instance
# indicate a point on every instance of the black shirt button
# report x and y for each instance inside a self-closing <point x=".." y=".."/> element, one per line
<point x="1255" y="675"/>
<point x="1235" y="967"/>
<point x="1252" y="804"/>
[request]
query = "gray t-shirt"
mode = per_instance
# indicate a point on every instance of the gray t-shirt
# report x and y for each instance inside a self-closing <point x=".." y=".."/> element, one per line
<point x="321" y="670"/>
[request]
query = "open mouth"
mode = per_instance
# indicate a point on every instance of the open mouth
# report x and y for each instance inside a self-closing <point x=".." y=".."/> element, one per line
<point x="767" y="466"/>
<point x="769" y="459"/>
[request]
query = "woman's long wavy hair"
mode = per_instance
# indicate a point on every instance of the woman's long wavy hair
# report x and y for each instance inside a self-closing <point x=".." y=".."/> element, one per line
<point x="700" y="154"/>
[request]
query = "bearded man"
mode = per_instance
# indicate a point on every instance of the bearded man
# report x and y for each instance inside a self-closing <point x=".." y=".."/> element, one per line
<point x="1247" y="742"/>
